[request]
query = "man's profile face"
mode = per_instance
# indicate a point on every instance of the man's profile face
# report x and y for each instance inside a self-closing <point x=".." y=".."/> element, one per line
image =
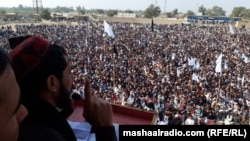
<point x="12" y="112"/>
<point x="64" y="101"/>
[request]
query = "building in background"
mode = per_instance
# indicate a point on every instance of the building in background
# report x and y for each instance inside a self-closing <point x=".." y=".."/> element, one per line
<point x="127" y="15"/>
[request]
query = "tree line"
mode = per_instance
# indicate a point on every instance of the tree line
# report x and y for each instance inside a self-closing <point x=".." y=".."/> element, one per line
<point x="150" y="12"/>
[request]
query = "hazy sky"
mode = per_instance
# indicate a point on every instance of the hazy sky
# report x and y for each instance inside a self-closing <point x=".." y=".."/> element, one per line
<point x="181" y="5"/>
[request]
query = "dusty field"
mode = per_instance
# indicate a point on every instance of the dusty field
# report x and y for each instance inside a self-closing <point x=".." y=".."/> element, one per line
<point x="141" y="20"/>
<point x="113" y="19"/>
<point x="130" y="20"/>
<point x="247" y="24"/>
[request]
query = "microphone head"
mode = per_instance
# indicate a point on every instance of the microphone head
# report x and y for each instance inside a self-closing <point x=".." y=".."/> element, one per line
<point x="75" y="97"/>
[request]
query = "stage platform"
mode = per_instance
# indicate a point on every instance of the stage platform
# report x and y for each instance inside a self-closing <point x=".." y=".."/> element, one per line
<point x="121" y="115"/>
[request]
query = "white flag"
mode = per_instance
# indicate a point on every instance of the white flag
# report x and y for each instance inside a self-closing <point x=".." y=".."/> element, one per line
<point x="231" y="29"/>
<point x="108" y="29"/>
<point x="86" y="42"/>
<point x="195" y="78"/>
<point x="243" y="56"/>
<point x="178" y="72"/>
<point x="218" y="64"/>
<point x="173" y="56"/>
<point x="88" y="60"/>
<point x="100" y="56"/>
<point x="197" y="65"/>
<point x="242" y="80"/>
<point x="85" y="70"/>
<point x="218" y="68"/>
<point x="191" y="61"/>
<point x="145" y="69"/>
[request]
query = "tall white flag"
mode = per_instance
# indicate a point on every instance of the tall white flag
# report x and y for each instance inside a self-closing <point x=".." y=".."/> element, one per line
<point x="218" y="67"/>
<point x="231" y="29"/>
<point x="108" y="29"/>
<point x="178" y="72"/>
<point x="242" y="80"/>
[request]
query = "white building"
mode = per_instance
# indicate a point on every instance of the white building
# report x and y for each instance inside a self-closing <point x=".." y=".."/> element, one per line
<point x="127" y="15"/>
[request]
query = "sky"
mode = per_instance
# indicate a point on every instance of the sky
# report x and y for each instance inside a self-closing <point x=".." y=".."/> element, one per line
<point x="165" y="5"/>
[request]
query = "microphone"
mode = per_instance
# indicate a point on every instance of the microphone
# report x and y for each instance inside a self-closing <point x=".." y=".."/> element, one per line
<point x="75" y="96"/>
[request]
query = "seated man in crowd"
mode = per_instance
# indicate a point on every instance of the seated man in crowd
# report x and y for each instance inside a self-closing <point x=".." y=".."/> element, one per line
<point x="43" y="72"/>
<point x="12" y="112"/>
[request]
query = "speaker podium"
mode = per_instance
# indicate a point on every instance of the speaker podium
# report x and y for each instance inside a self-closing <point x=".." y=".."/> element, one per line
<point x="123" y="115"/>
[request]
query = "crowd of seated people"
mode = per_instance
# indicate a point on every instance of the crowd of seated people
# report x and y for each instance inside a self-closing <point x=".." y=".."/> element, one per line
<point x="170" y="71"/>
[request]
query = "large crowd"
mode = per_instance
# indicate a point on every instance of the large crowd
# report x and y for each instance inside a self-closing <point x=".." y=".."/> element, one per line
<point x="169" y="71"/>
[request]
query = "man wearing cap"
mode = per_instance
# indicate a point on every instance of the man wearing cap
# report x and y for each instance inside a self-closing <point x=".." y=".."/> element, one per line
<point x="43" y="72"/>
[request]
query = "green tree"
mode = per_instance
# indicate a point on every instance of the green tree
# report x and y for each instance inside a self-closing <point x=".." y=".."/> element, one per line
<point x="45" y="14"/>
<point x="189" y="13"/>
<point x="175" y="12"/>
<point x="2" y="11"/>
<point x="100" y="11"/>
<point x="20" y="6"/>
<point x="246" y="14"/>
<point x="202" y="10"/>
<point x="80" y="10"/>
<point x="219" y="11"/>
<point x="111" y="13"/>
<point x="169" y="15"/>
<point x="216" y="11"/>
<point x="152" y="11"/>
<point x="238" y="12"/>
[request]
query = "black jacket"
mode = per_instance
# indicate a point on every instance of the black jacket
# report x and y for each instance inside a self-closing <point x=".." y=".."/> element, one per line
<point x="45" y="123"/>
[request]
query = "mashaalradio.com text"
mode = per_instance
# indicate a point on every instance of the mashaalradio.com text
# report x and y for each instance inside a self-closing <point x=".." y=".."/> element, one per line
<point x="173" y="132"/>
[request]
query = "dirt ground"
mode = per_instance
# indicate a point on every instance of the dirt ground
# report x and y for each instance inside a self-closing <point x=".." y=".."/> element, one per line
<point x="129" y="20"/>
<point x="142" y="20"/>
<point x="158" y="21"/>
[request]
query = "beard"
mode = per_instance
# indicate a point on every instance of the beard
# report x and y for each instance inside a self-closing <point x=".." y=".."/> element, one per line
<point x="64" y="101"/>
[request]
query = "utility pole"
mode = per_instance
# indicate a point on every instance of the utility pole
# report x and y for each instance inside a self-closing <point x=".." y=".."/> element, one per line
<point x="36" y="5"/>
<point x="165" y="5"/>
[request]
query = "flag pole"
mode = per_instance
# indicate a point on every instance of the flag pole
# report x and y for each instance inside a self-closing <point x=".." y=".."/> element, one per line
<point x="219" y="82"/>
<point x="87" y="48"/>
<point x="219" y="88"/>
<point x="191" y="86"/>
<point x="152" y="24"/>
<point x="104" y="47"/>
<point x="230" y="88"/>
<point x="113" y="71"/>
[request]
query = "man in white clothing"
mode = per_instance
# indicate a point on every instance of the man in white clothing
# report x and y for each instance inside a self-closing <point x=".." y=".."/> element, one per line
<point x="189" y="120"/>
